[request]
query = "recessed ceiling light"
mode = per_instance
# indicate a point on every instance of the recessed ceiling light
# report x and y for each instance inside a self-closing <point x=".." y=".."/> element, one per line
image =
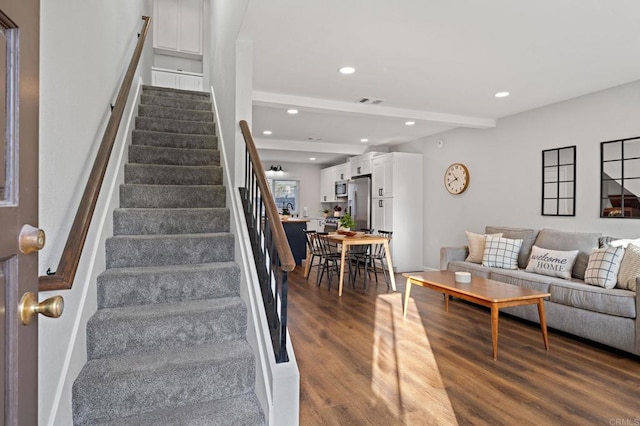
<point x="292" y="111"/>
<point x="364" y="140"/>
<point x="267" y="132"/>
<point x="312" y="158"/>
<point x="409" y="123"/>
<point x="347" y="70"/>
<point x="501" y="94"/>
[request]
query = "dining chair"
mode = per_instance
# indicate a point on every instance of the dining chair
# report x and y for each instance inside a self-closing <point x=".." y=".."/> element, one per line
<point x="374" y="256"/>
<point x="330" y="258"/>
<point x="313" y="249"/>
<point x="357" y="254"/>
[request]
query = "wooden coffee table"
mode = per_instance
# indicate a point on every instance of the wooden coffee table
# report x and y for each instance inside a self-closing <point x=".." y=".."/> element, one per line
<point x="481" y="291"/>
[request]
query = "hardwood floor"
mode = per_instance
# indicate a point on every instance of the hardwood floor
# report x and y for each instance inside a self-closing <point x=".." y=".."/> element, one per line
<point x="362" y="363"/>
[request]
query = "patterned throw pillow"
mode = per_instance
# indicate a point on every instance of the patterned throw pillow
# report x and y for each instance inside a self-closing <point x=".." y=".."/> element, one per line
<point x="501" y="252"/>
<point x="629" y="268"/>
<point x="476" y="246"/>
<point x="603" y="266"/>
<point x="554" y="263"/>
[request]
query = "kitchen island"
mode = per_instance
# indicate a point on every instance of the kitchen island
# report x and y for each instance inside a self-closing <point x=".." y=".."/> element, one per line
<point x="294" y="229"/>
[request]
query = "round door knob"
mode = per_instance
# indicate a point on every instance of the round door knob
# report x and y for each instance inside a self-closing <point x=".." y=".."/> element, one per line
<point x="29" y="307"/>
<point x="30" y="239"/>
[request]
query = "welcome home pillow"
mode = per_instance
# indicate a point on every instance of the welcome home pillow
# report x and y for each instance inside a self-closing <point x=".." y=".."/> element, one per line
<point x="603" y="266"/>
<point x="554" y="263"/>
<point x="501" y="252"/>
<point x="476" y="246"/>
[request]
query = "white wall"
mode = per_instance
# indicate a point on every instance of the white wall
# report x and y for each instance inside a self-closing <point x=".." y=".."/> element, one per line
<point x="309" y="189"/>
<point x="226" y="18"/>
<point x="85" y="47"/>
<point x="505" y="169"/>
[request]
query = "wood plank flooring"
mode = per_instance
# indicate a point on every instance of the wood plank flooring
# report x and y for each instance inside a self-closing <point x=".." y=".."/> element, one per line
<point x="362" y="363"/>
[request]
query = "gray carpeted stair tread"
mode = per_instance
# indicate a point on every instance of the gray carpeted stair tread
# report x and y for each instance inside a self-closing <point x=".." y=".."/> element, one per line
<point x="175" y="93"/>
<point x="147" y="221"/>
<point x="165" y="284"/>
<point x="174" y="140"/>
<point x="242" y="410"/>
<point x="172" y="196"/>
<point x="164" y="174"/>
<point x="156" y="111"/>
<point x="172" y="102"/>
<point x="175" y="126"/>
<point x="154" y="250"/>
<point x="136" y="329"/>
<point x="143" y="154"/>
<point x="134" y="384"/>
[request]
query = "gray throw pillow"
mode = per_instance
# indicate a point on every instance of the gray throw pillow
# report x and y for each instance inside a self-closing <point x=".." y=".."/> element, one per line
<point x="527" y="236"/>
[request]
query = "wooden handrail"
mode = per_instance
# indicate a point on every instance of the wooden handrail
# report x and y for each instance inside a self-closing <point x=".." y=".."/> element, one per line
<point x="287" y="262"/>
<point x="62" y="279"/>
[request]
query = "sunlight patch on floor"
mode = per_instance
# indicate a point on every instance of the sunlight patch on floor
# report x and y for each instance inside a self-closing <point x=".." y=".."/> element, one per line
<point x="419" y="397"/>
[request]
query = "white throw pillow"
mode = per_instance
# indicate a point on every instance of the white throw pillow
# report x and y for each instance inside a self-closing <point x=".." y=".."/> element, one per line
<point x="624" y="242"/>
<point x="476" y="245"/>
<point x="603" y="266"/>
<point x="554" y="263"/>
<point x="501" y="252"/>
<point x="629" y="268"/>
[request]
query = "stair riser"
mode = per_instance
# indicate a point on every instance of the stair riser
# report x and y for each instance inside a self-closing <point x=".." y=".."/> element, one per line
<point x="177" y="94"/>
<point x="172" y="175"/>
<point x="166" y="196"/>
<point x="167" y="285"/>
<point x="165" y="101"/>
<point x="175" y="126"/>
<point x="123" y="252"/>
<point x="174" y="140"/>
<point x="175" y="384"/>
<point x="174" y="113"/>
<point x="173" y="156"/>
<point x="119" y="333"/>
<point x="170" y="221"/>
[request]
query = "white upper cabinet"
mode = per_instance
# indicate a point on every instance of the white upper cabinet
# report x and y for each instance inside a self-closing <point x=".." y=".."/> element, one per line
<point x="178" y="26"/>
<point x="327" y="185"/>
<point x="382" y="176"/>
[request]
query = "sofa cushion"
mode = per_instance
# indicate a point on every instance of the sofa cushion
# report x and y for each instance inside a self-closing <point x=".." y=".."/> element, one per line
<point x="554" y="263"/>
<point x="501" y="252"/>
<point x="624" y="242"/>
<point x="614" y="301"/>
<point x="476" y="246"/>
<point x="521" y="279"/>
<point x="464" y="266"/>
<point x="527" y="236"/>
<point x="629" y="268"/>
<point x="584" y="242"/>
<point x="603" y="266"/>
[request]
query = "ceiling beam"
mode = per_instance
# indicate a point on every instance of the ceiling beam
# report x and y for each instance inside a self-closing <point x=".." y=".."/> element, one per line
<point x="270" y="99"/>
<point x="320" y="147"/>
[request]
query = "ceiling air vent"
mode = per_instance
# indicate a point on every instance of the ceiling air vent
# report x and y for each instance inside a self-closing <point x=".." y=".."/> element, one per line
<point x="370" y="101"/>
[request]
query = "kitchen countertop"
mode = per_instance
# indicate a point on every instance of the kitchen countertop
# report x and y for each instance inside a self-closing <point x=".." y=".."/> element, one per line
<point x="295" y="219"/>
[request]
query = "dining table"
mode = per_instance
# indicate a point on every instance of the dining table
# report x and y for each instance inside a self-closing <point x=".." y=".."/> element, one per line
<point x="361" y="239"/>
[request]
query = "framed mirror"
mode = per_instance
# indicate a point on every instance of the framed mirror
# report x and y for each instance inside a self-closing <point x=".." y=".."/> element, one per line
<point x="559" y="181"/>
<point x="620" y="178"/>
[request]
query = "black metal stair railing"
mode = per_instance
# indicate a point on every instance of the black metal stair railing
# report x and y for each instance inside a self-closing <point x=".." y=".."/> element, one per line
<point x="271" y="250"/>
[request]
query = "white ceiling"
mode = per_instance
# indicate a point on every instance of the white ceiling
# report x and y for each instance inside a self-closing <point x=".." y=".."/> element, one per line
<point x="435" y="62"/>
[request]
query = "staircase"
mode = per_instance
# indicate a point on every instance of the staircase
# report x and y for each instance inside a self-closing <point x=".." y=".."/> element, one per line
<point x="167" y="345"/>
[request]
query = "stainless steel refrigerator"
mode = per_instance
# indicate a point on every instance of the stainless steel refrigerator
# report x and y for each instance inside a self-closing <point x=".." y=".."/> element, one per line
<point x="359" y="201"/>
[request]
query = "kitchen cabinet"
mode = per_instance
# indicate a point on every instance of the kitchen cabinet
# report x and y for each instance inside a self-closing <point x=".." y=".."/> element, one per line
<point x="397" y="206"/>
<point x="328" y="185"/>
<point x="178" y="27"/>
<point x="176" y="79"/>
<point x="343" y="171"/>
<point x="382" y="176"/>
<point x="361" y="164"/>
<point x="294" y="230"/>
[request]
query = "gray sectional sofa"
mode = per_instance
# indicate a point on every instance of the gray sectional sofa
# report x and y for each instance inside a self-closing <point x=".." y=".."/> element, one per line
<point x="607" y="316"/>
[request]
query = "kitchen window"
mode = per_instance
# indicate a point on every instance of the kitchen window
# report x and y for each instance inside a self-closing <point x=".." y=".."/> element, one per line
<point x="285" y="191"/>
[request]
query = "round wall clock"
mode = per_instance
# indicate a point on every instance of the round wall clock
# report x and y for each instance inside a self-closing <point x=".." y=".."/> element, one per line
<point x="456" y="178"/>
